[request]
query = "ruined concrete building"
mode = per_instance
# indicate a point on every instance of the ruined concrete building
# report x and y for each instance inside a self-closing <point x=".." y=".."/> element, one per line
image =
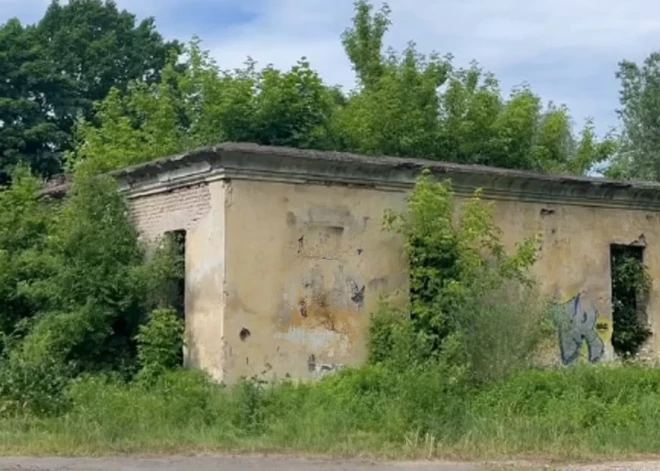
<point x="286" y="257"/>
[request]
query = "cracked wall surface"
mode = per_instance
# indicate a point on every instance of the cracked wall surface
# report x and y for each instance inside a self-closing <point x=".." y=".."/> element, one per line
<point x="286" y="257"/>
<point x="306" y="265"/>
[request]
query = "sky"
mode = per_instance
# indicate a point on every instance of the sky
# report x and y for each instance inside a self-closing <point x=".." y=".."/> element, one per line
<point x="566" y="50"/>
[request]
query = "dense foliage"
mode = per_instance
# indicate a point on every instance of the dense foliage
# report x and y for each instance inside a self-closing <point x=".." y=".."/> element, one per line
<point x="631" y="286"/>
<point x="639" y="153"/>
<point x="76" y="286"/>
<point x="160" y="343"/>
<point x="405" y="104"/>
<point x="84" y="310"/>
<point x="54" y="70"/>
<point x="465" y="290"/>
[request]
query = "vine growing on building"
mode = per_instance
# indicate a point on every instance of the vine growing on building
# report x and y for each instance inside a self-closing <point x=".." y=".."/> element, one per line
<point x="631" y="284"/>
<point x="465" y="289"/>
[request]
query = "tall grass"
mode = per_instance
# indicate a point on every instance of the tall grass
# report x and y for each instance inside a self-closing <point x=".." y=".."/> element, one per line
<point x="453" y="374"/>
<point x="576" y="413"/>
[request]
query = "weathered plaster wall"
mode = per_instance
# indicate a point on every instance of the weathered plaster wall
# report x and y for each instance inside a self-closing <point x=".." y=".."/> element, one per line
<point x="575" y="258"/>
<point x="287" y="257"/>
<point x="306" y="265"/>
<point x="199" y="209"/>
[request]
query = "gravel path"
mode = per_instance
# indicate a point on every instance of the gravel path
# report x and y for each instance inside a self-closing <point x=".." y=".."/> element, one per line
<point x="217" y="463"/>
<point x="258" y="463"/>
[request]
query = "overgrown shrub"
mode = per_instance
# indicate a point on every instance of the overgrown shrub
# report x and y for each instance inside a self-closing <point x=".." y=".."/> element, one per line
<point x="25" y="223"/>
<point x="78" y="287"/>
<point x="503" y="328"/>
<point x="33" y="386"/>
<point x="631" y="284"/>
<point x="465" y="291"/>
<point x="160" y="343"/>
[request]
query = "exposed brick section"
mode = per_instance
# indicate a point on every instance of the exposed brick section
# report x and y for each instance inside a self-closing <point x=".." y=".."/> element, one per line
<point x="182" y="208"/>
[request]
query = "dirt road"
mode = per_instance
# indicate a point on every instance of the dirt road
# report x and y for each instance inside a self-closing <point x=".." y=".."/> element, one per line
<point x="254" y="463"/>
<point x="216" y="463"/>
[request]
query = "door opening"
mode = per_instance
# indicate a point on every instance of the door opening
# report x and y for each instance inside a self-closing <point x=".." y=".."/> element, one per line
<point x="630" y="287"/>
<point x="176" y="295"/>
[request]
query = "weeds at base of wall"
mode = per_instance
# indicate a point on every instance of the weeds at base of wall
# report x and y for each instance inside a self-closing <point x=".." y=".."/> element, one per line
<point x="576" y="413"/>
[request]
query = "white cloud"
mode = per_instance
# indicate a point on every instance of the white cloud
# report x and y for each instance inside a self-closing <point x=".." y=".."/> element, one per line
<point x="567" y="49"/>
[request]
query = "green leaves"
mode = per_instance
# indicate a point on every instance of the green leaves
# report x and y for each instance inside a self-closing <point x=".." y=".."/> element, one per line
<point x="160" y="343"/>
<point x="202" y="105"/>
<point x="76" y="285"/>
<point x="631" y="285"/>
<point x="363" y="42"/>
<point x="54" y="71"/>
<point x="24" y="223"/>
<point x="639" y="155"/>
<point x="29" y="133"/>
<point x="405" y="104"/>
<point x="455" y="257"/>
<point x="412" y="105"/>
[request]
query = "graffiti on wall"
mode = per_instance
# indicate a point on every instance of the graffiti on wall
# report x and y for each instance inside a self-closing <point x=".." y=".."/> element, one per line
<point x="579" y="325"/>
<point x="323" y="368"/>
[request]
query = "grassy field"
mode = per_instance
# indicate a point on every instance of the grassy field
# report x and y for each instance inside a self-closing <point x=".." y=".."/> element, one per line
<point x="581" y="413"/>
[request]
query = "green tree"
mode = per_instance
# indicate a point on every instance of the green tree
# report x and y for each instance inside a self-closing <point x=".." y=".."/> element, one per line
<point x="413" y="106"/>
<point x="639" y="155"/>
<point x="405" y="104"/>
<point x="24" y="226"/>
<point x="466" y="292"/>
<point x="29" y="131"/>
<point x="202" y="105"/>
<point x="95" y="286"/>
<point x="397" y="113"/>
<point x="75" y="286"/>
<point x="101" y="47"/>
<point x="363" y="42"/>
<point x="55" y="70"/>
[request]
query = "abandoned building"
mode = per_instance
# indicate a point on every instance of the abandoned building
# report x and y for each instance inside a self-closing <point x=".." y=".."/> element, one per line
<point x="286" y="258"/>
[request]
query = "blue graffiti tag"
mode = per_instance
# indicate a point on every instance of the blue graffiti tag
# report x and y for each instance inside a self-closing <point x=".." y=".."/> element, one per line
<point x="577" y="325"/>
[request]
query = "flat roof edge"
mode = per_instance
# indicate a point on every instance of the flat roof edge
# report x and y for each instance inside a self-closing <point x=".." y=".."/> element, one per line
<point x="305" y="166"/>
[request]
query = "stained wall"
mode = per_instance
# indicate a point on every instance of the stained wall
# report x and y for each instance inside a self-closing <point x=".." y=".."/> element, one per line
<point x="306" y="265"/>
<point x="199" y="210"/>
<point x="574" y="264"/>
<point x="286" y="256"/>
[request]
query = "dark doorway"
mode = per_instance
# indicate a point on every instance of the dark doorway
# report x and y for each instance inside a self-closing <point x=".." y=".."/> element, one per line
<point x="176" y="242"/>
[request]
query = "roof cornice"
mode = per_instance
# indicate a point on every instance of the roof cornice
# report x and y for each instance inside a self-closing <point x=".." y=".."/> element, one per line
<point x="237" y="161"/>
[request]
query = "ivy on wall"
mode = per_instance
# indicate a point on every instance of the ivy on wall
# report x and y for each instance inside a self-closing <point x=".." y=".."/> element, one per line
<point x="631" y="285"/>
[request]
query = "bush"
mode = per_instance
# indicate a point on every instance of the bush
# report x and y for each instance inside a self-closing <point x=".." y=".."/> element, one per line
<point x="160" y="343"/>
<point x="465" y="292"/>
<point x="76" y="286"/>
<point x="631" y="285"/>
<point x="33" y="386"/>
<point x="24" y="225"/>
<point x="503" y="329"/>
<point x="392" y="339"/>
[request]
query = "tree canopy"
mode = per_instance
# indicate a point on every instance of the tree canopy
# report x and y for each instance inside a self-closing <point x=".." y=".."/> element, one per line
<point x="56" y="69"/>
<point x="405" y="104"/>
<point x="639" y="153"/>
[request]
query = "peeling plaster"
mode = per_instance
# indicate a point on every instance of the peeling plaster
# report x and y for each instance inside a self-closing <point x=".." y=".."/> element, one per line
<point x="334" y="343"/>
